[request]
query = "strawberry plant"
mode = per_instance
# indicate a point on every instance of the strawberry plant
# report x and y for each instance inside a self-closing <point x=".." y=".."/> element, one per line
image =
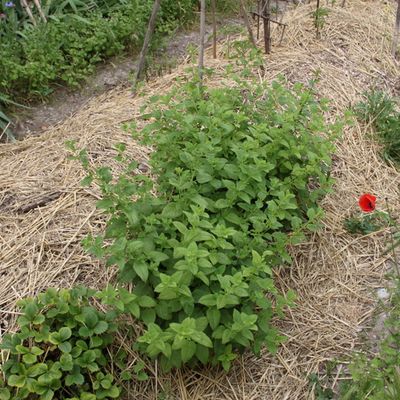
<point x="60" y="351"/>
<point x="239" y="172"/>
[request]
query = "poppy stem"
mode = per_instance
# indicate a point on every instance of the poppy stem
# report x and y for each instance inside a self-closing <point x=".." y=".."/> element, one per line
<point x="394" y="244"/>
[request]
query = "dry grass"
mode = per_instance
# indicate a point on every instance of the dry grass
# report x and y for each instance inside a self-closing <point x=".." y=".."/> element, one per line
<point x="44" y="213"/>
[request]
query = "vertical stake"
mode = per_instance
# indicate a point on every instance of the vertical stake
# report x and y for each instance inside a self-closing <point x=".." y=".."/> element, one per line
<point x="396" y="31"/>
<point x="214" y="23"/>
<point x="202" y="37"/>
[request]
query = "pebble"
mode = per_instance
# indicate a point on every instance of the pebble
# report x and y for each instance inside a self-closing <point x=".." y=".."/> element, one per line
<point x="383" y="294"/>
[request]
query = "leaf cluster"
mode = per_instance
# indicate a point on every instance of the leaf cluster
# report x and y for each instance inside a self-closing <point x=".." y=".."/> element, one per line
<point x="60" y="350"/>
<point x="239" y="173"/>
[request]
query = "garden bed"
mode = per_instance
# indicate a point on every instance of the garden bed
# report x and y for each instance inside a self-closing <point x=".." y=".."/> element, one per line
<point x="45" y="213"/>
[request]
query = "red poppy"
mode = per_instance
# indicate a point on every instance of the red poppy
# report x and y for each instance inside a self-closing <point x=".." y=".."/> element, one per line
<point x="367" y="202"/>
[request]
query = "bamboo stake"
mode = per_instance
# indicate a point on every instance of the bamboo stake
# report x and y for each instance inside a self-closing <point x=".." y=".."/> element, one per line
<point x="24" y="4"/>
<point x="202" y="38"/>
<point x="396" y="31"/>
<point x="214" y="23"/>
<point x="247" y="23"/>
<point x="317" y="17"/>
<point x="147" y="39"/>
<point x="38" y="6"/>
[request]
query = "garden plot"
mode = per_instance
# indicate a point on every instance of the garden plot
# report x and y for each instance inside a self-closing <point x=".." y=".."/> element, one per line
<point x="45" y="213"/>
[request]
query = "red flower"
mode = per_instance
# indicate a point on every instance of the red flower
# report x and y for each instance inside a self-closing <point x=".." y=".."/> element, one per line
<point x="367" y="202"/>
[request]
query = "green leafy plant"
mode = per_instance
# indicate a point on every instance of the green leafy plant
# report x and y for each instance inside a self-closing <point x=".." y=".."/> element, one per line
<point x="239" y="173"/>
<point x="60" y="350"/>
<point x="319" y="16"/>
<point x="368" y="223"/>
<point x="380" y="110"/>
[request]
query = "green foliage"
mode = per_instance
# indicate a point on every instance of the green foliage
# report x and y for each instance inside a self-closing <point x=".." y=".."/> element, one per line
<point x="320" y="392"/>
<point x="368" y="223"/>
<point x="60" y="350"/>
<point x="319" y="16"/>
<point x="79" y="35"/>
<point x="379" y="378"/>
<point x="239" y="173"/>
<point x="380" y="110"/>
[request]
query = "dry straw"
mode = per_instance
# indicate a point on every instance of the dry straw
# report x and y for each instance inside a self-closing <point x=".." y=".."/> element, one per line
<point x="44" y="212"/>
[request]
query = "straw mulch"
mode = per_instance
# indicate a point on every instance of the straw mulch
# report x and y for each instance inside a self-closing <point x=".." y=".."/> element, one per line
<point x="45" y="213"/>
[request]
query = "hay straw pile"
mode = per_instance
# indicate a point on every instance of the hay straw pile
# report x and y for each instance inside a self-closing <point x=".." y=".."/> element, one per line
<point x="45" y="213"/>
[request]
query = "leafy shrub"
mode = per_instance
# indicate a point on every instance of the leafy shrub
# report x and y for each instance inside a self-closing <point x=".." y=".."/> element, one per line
<point x="380" y="111"/>
<point x="239" y="173"/>
<point x="60" y="350"/>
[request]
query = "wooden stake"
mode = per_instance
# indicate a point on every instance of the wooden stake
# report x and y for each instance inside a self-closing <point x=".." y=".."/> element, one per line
<point x="267" y="25"/>
<point x="147" y="39"/>
<point x="214" y="23"/>
<point x="24" y="4"/>
<point x="247" y="23"/>
<point x="202" y="38"/>
<point x="258" y="18"/>
<point x="396" y="31"/>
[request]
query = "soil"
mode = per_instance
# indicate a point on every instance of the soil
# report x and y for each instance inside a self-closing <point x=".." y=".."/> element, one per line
<point x="65" y="102"/>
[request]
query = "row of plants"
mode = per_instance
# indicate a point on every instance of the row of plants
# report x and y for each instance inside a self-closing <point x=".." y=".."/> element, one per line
<point x="64" y="50"/>
<point x="239" y="174"/>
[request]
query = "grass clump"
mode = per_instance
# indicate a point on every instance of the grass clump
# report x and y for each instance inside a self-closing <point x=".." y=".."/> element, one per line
<point x="381" y="111"/>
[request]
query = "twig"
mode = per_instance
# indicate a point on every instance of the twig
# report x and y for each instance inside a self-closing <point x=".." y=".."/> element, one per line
<point x="271" y="20"/>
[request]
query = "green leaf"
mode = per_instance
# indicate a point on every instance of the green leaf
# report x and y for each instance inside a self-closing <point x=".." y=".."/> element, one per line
<point x="5" y="394"/>
<point x="66" y="362"/>
<point x="142" y="270"/>
<point x="208" y="300"/>
<point x="146" y="301"/>
<point x="48" y="395"/>
<point x="74" y="379"/>
<point x="148" y="316"/>
<point x="65" y="333"/>
<point x="29" y="358"/>
<point x="188" y="350"/>
<point x="202" y="338"/>
<point x="16" y="380"/>
<point x="101" y="327"/>
<point x="213" y="316"/>
<point x="65" y="347"/>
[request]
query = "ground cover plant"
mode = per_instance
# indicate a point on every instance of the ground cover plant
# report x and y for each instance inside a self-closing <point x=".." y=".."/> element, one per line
<point x="240" y="171"/>
<point x="61" y="349"/>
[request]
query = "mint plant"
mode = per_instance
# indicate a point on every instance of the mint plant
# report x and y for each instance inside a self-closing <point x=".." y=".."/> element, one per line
<point x="239" y="172"/>
<point x="60" y="351"/>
